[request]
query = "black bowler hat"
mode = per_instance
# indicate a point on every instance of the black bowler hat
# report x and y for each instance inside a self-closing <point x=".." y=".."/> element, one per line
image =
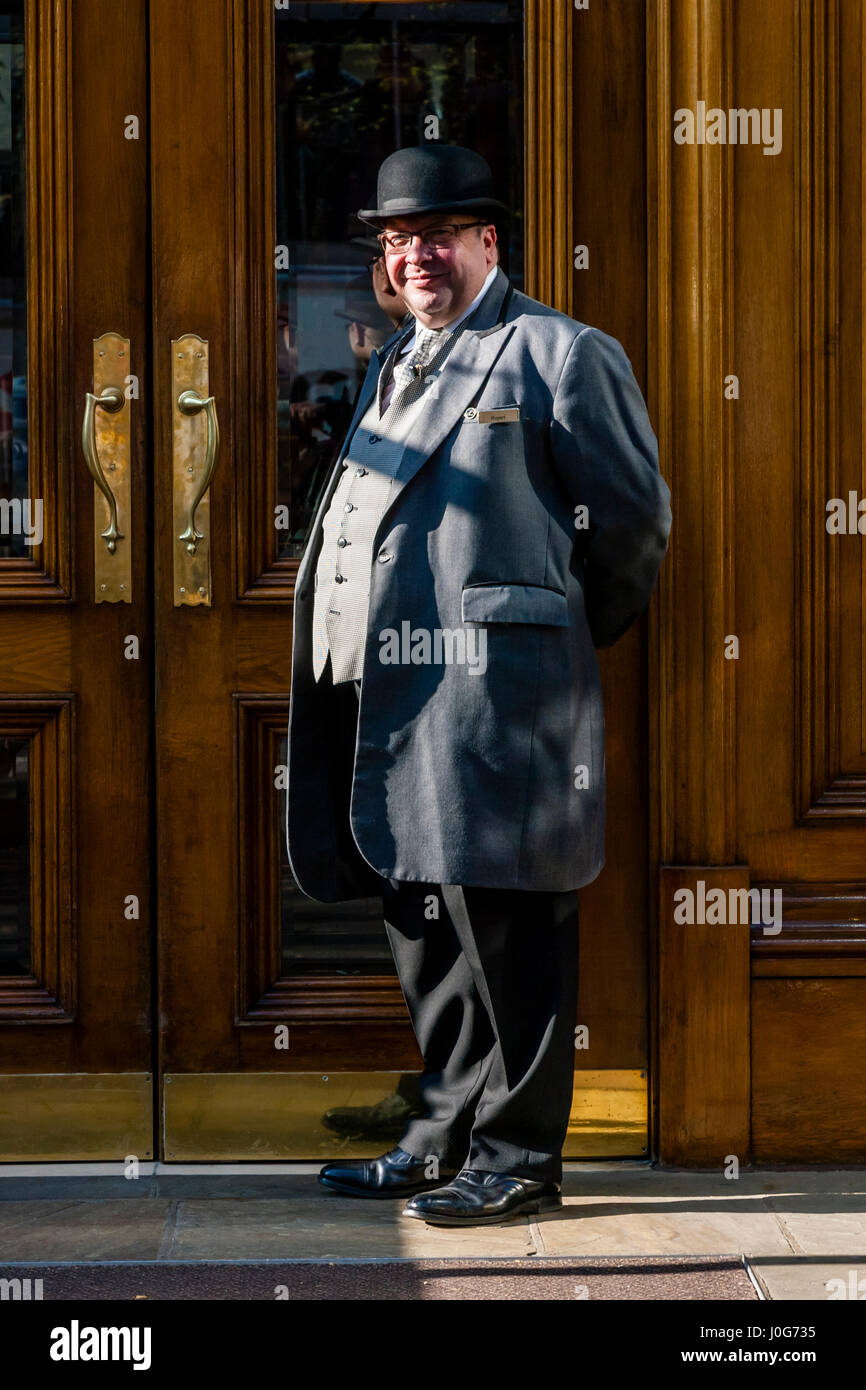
<point x="362" y="305"/>
<point x="433" y="178"/>
<point x="366" y="240"/>
<point x="367" y="243"/>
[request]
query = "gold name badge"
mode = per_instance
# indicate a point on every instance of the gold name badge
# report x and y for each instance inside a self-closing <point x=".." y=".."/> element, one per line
<point x="509" y="416"/>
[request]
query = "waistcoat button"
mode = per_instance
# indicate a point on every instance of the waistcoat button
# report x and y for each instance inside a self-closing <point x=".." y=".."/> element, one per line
<point x="342" y="541"/>
<point x="375" y="438"/>
<point x="360" y="472"/>
<point x="338" y="579"/>
<point x="348" y="507"/>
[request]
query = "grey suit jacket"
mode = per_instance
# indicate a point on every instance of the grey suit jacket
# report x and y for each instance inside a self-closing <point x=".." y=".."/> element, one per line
<point x="480" y="747"/>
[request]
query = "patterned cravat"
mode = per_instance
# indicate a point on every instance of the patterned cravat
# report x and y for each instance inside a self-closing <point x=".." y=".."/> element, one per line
<point x="430" y="344"/>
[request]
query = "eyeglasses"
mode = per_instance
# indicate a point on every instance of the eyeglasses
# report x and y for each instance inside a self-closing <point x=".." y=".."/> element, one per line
<point x="440" y="238"/>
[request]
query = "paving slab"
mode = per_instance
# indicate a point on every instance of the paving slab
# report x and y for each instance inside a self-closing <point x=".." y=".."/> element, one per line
<point x="329" y="1227"/>
<point x="783" y="1221"/>
<point x="662" y="1226"/>
<point x="103" y="1230"/>
<point x="822" y="1223"/>
<point x="811" y="1280"/>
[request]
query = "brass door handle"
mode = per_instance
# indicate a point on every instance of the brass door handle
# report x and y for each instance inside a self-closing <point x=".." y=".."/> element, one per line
<point x="195" y="450"/>
<point x="190" y="403"/>
<point x="106" y="441"/>
<point x="110" y="399"/>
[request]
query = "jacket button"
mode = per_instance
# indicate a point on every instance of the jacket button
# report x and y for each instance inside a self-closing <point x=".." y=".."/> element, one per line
<point x="360" y="472"/>
<point x="384" y="555"/>
<point x="470" y="414"/>
<point x="375" y="438"/>
<point x="303" y="593"/>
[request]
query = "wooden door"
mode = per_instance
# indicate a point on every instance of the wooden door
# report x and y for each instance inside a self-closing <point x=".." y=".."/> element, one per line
<point x="188" y="229"/>
<point x="268" y="125"/>
<point x="76" y="659"/>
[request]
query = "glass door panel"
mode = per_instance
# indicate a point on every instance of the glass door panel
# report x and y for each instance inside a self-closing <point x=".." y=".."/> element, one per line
<point x="354" y="82"/>
<point x="19" y="518"/>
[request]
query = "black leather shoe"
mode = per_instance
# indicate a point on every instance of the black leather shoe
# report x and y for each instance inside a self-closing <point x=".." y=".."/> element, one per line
<point x="475" y="1198"/>
<point x="396" y="1174"/>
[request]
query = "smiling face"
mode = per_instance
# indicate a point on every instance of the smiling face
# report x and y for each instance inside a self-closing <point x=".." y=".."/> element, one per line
<point x="439" y="284"/>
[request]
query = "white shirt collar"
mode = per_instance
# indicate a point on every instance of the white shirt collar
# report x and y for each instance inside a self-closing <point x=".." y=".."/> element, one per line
<point x="491" y="276"/>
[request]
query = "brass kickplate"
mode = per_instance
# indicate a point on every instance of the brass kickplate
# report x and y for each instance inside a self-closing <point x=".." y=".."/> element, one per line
<point x="315" y="1115"/>
<point x="55" y="1117"/>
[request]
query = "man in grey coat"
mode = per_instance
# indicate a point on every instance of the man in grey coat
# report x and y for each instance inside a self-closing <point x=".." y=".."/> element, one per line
<point x="496" y="513"/>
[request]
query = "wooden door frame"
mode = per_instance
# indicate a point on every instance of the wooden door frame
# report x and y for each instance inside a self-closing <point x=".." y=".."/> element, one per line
<point x="548" y="162"/>
<point x="701" y="1110"/>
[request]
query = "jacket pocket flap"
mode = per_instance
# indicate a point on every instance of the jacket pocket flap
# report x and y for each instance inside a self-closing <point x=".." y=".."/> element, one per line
<point x="514" y="603"/>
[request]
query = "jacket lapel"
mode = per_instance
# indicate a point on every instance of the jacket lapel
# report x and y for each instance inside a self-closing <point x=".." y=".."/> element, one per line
<point x="378" y="358"/>
<point x="463" y="376"/>
<point x="468" y="367"/>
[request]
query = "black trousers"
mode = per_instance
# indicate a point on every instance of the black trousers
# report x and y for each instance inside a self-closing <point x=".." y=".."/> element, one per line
<point x="489" y="976"/>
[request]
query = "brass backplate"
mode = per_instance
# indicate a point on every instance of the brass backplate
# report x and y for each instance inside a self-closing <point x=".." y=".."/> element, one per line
<point x="112" y="573"/>
<point x="49" y="1118"/>
<point x="267" y="1115"/>
<point x="189" y="372"/>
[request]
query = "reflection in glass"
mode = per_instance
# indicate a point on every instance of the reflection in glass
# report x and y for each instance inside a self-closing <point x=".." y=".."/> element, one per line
<point x="17" y="518"/>
<point x="14" y="856"/>
<point x="327" y="938"/>
<point x="353" y="83"/>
